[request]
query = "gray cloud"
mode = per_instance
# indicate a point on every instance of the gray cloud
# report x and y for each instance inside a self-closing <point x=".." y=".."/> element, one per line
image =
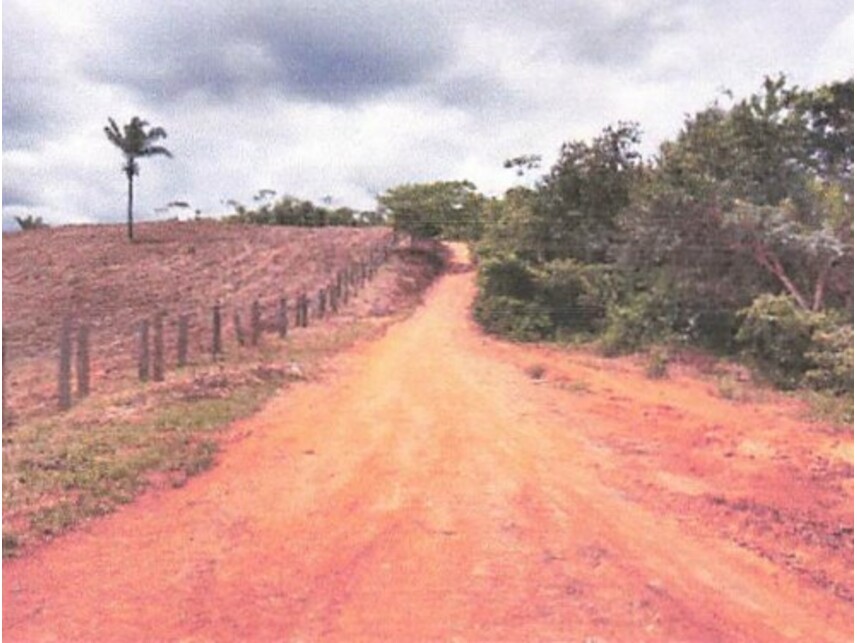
<point x="477" y="93"/>
<point x="349" y="98"/>
<point x="335" y="52"/>
<point x="31" y="74"/>
<point x="17" y="195"/>
<point x="624" y="41"/>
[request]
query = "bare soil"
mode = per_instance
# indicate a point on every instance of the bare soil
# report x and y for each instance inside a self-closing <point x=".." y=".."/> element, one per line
<point x="441" y="485"/>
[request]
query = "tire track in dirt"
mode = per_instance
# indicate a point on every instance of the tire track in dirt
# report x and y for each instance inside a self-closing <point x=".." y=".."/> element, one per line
<point x="427" y="490"/>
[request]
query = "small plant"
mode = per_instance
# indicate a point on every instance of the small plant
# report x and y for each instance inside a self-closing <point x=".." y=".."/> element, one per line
<point x="827" y="407"/>
<point x="657" y="366"/>
<point x="535" y="371"/>
<point x="10" y="544"/>
<point x="30" y="223"/>
<point x="729" y="388"/>
<point x="574" y="386"/>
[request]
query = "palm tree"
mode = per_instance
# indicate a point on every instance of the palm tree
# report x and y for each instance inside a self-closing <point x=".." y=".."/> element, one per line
<point x="135" y="142"/>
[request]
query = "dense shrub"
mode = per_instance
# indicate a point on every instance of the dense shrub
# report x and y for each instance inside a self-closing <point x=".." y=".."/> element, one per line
<point x="506" y="276"/>
<point x="576" y="295"/>
<point x="515" y="318"/>
<point x="645" y="319"/>
<point x="831" y="358"/>
<point x="777" y="335"/>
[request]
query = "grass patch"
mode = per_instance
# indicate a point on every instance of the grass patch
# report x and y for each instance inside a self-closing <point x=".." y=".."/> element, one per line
<point x="831" y="409"/>
<point x="574" y="386"/>
<point x="729" y="388"/>
<point x="657" y="364"/>
<point x="61" y="472"/>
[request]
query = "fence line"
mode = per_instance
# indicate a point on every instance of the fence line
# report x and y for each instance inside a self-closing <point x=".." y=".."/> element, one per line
<point x="75" y="339"/>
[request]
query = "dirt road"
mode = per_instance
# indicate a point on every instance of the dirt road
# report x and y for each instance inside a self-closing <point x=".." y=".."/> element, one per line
<point x="430" y="489"/>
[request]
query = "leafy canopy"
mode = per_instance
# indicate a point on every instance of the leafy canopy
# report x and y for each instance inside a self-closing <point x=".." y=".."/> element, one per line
<point x="136" y="140"/>
<point x="449" y="209"/>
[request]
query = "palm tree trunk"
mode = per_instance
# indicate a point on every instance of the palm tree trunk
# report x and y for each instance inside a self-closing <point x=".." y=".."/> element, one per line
<point x="130" y="207"/>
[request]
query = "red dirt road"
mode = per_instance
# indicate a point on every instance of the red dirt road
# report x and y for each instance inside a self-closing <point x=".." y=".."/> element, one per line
<point x="429" y="489"/>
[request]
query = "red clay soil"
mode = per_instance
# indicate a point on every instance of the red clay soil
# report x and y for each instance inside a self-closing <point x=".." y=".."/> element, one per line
<point x="431" y="489"/>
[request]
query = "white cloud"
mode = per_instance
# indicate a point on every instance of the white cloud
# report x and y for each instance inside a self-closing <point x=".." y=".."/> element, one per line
<point x="835" y="59"/>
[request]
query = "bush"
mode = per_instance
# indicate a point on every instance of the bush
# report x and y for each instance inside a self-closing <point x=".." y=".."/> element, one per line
<point x="506" y="276"/>
<point x="645" y="319"/>
<point x="777" y="336"/>
<point x="518" y="319"/>
<point x="30" y="223"/>
<point x="575" y="294"/>
<point x="831" y="358"/>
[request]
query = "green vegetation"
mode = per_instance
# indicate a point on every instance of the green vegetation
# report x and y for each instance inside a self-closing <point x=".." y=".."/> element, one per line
<point x="30" y="223"/>
<point x="444" y="209"/>
<point x="135" y="140"/>
<point x="657" y="366"/>
<point x="290" y="211"/>
<point x="736" y="237"/>
<point x="60" y="471"/>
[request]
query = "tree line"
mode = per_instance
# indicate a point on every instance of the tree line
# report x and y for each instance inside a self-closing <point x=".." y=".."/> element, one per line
<point x="736" y="236"/>
<point x="291" y="211"/>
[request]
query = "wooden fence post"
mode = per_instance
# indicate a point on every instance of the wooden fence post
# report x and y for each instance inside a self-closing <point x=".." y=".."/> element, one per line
<point x="64" y="388"/>
<point x="239" y="330"/>
<point x="5" y="380"/>
<point x="184" y="328"/>
<point x="83" y="361"/>
<point x="283" y="318"/>
<point x="334" y="298"/>
<point x="158" y="349"/>
<point x="255" y="322"/>
<point x="343" y="286"/>
<point x="143" y="356"/>
<point x="304" y="310"/>
<point x="216" y="333"/>
<point x="322" y="302"/>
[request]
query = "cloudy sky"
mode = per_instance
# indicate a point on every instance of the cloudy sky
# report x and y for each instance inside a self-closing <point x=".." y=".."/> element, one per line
<point x="347" y="98"/>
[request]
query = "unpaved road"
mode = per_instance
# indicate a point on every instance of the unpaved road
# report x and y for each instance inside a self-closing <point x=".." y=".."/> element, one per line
<point x="429" y="489"/>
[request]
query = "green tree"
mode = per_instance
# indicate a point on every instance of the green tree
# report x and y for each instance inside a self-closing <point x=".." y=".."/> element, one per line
<point x="579" y="201"/>
<point x="755" y="198"/>
<point x="135" y="140"/>
<point x="449" y="209"/>
<point x="30" y="223"/>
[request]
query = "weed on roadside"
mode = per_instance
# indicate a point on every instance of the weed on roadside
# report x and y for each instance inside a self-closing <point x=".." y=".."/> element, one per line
<point x="10" y="544"/>
<point x="535" y="371"/>
<point x="573" y="386"/>
<point x="832" y="409"/>
<point x="729" y="388"/>
<point x="657" y="364"/>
